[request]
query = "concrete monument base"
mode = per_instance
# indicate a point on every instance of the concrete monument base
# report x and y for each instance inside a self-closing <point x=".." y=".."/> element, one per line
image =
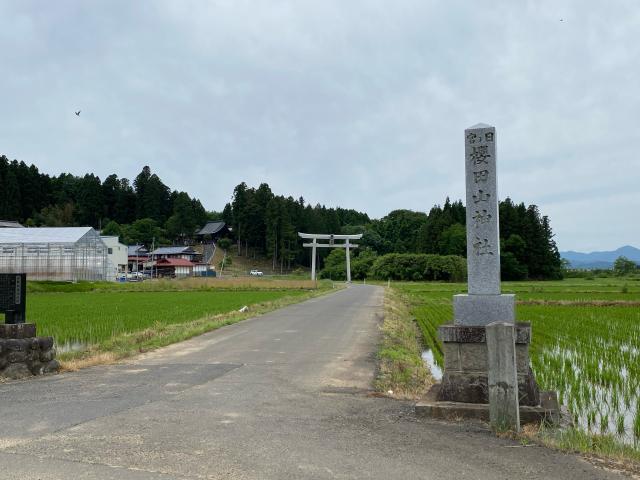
<point x="483" y="309"/>
<point x="22" y="354"/>
<point x="465" y="376"/>
<point x="464" y="390"/>
<point x="430" y="407"/>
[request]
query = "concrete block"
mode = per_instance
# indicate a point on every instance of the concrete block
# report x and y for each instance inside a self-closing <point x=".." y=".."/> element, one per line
<point x="483" y="309"/>
<point x="504" y="411"/>
<point x="451" y="352"/>
<point x="431" y="407"/>
<point x="473" y="357"/>
<point x="477" y="334"/>
<point x="467" y="387"/>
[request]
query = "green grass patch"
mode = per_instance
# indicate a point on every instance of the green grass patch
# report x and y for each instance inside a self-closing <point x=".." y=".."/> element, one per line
<point x="401" y="369"/>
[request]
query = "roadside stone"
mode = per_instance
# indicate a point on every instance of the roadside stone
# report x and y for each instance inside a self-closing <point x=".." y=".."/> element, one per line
<point x="37" y="368"/>
<point x="21" y="355"/>
<point x="52" y="367"/>
<point x="32" y="355"/>
<point x="45" y="342"/>
<point x="16" y="345"/>
<point x="16" y="371"/>
<point x="17" y="357"/>
<point x="47" y="355"/>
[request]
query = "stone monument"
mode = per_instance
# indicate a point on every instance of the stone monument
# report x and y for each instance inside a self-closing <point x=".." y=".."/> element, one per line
<point x="466" y="357"/>
<point x="22" y="354"/>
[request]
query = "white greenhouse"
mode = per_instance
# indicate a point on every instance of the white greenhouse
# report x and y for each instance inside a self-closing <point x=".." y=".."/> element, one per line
<point x="54" y="253"/>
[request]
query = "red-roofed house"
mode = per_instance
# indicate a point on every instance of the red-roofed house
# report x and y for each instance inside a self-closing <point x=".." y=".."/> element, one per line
<point x="174" y="267"/>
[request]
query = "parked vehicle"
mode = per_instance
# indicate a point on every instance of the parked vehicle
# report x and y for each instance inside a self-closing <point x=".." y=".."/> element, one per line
<point x="135" y="276"/>
<point x="255" y="273"/>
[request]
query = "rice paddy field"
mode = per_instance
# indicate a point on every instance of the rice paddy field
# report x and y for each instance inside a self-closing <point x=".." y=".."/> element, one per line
<point x="88" y="318"/>
<point x="84" y="315"/>
<point x="586" y="344"/>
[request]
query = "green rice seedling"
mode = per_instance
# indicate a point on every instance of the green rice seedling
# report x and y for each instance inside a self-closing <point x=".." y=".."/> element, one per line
<point x="604" y="423"/>
<point x="591" y="419"/>
<point x="620" y="428"/>
<point x="95" y="317"/>
<point x="585" y="341"/>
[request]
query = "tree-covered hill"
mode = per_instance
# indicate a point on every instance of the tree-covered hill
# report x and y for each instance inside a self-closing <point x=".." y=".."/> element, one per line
<point x="264" y="223"/>
<point x="138" y="211"/>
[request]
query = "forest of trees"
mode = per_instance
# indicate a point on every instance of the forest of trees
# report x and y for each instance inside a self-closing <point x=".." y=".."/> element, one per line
<point x="138" y="212"/>
<point x="267" y="224"/>
<point x="263" y="223"/>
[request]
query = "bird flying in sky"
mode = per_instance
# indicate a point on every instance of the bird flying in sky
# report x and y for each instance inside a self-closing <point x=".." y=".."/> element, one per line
<point x="78" y="113"/>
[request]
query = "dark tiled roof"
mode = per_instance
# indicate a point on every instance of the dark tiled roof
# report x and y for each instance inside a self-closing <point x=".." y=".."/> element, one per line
<point x="134" y="250"/>
<point x="211" y="228"/>
<point x="173" y="251"/>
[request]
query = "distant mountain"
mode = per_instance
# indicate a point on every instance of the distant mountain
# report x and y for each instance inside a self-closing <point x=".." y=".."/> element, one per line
<point x="600" y="259"/>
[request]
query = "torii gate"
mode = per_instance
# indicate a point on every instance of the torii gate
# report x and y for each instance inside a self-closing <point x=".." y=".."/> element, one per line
<point x="325" y="236"/>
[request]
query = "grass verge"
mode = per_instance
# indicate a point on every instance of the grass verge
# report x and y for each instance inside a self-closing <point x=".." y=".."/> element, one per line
<point x="401" y="370"/>
<point x="160" y="335"/>
<point x="604" y="450"/>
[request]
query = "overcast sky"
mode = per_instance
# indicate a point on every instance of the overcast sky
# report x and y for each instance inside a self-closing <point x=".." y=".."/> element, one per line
<point x="360" y="104"/>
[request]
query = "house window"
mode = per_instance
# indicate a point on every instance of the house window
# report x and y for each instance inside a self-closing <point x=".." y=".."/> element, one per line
<point x="110" y="251"/>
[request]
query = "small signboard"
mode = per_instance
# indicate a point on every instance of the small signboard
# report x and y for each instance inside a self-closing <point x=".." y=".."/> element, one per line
<point x="13" y="296"/>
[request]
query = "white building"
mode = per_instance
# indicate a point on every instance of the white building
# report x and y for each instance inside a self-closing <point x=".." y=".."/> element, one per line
<point x="118" y="255"/>
<point x="54" y="253"/>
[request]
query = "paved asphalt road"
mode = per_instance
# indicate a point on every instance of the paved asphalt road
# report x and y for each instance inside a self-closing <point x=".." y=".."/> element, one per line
<point x="283" y="396"/>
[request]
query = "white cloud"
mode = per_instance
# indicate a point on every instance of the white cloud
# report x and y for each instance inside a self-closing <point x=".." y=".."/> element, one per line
<point x="358" y="104"/>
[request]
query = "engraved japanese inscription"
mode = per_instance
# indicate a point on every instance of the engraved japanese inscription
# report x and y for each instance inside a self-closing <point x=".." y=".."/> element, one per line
<point x="483" y="247"/>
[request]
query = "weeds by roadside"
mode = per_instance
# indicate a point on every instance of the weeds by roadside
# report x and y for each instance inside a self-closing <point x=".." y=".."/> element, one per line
<point x="402" y="372"/>
<point x="603" y="450"/>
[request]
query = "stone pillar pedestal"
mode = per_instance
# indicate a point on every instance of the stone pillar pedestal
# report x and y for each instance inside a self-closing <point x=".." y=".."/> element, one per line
<point x="466" y="365"/>
<point x="464" y="390"/>
<point x="23" y="354"/>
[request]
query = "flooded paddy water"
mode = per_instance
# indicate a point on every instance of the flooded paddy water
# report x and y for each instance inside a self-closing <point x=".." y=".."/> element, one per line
<point x="585" y="345"/>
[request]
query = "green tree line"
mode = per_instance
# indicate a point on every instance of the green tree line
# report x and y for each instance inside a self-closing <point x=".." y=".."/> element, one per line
<point x="138" y="211"/>
<point x="264" y="223"/>
<point x="267" y="224"/>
